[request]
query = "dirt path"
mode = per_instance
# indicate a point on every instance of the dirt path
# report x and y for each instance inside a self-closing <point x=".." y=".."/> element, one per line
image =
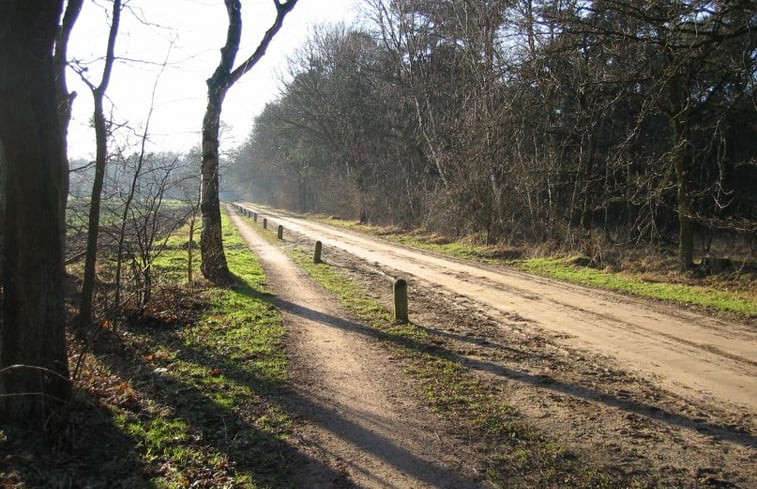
<point x="698" y="357"/>
<point x="357" y="412"/>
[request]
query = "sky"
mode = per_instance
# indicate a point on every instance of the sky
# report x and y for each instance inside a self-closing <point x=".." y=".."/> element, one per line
<point x="187" y="35"/>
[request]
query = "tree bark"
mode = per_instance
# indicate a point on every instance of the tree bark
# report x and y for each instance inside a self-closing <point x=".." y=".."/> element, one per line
<point x="33" y="363"/>
<point x="683" y="198"/>
<point x="681" y="155"/>
<point x="64" y="98"/>
<point x="214" y="266"/>
<point x="86" y="305"/>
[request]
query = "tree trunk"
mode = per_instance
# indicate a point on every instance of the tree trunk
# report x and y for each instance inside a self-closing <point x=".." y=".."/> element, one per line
<point x="33" y="363"/>
<point x="86" y="309"/>
<point x="214" y="266"/>
<point x="681" y="155"/>
<point x="683" y="194"/>
<point x="64" y="98"/>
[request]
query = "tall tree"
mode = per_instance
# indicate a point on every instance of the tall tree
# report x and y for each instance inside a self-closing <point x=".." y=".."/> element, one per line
<point x="33" y="363"/>
<point x="101" y="153"/>
<point x="214" y="266"/>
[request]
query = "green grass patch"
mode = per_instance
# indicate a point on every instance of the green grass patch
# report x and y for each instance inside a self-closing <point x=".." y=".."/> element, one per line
<point x="208" y="388"/>
<point x="562" y="269"/>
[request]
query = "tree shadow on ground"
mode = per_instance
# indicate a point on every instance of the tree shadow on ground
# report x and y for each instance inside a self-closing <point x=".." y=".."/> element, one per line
<point x="89" y="451"/>
<point x="653" y="412"/>
<point x="321" y="412"/>
<point x="232" y="431"/>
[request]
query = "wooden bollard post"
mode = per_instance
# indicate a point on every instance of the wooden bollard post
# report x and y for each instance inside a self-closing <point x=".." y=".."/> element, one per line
<point x="255" y="216"/>
<point x="317" y="253"/>
<point x="400" y="301"/>
<point x="265" y="223"/>
<point x="280" y="232"/>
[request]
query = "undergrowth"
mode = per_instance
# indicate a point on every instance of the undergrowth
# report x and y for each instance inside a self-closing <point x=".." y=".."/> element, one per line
<point x="184" y="395"/>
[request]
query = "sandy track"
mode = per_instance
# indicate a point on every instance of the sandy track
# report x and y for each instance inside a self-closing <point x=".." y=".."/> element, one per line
<point x="698" y="357"/>
<point x="356" y="411"/>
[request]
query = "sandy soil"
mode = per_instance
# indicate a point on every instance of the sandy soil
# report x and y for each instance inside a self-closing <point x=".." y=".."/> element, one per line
<point x="355" y="410"/>
<point x="696" y="356"/>
<point x="634" y="385"/>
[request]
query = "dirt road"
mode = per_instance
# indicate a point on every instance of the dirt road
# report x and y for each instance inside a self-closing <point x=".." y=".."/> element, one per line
<point x="355" y="411"/>
<point x="698" y="357"/>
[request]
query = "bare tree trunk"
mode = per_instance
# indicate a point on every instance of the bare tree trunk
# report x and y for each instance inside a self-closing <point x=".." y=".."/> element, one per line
<point x="86" y="310"/>
<point x="683" y="198"/>
<point x="681" y="155"/>
<point x="33" y="363"/>
<point x="214" y="266"/>
<point x="93" y="230"/>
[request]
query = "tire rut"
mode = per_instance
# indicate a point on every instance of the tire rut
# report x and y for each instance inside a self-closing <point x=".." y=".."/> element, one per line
<point x="355" y="409"/>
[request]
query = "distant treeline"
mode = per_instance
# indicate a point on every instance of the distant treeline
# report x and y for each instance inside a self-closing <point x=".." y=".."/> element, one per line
<point x="522" y="120"/>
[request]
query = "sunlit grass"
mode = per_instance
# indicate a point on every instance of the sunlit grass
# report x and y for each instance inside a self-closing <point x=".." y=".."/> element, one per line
<point x="562" y="269"/>
<point x="212" y="409"/>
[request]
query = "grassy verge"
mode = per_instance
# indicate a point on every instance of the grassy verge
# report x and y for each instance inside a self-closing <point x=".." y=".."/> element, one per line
<point x="742" y="303"/>
<point x="186" y="394"/>
<point x="739" y="303"/>
<point x="222" y="372"/>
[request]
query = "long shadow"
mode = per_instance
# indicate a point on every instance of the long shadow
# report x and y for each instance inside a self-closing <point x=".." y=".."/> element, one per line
<point x="92" y="452"/>
<point x="652" y="412"/>
<point x="248" y="448"/>
<point x="323" y="414"/>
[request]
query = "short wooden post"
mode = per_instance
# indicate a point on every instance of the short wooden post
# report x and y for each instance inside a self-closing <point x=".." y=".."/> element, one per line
<point x="280" y="232"/>
<point x="265" y="223"/>
<point x="255" y="216"/>
<point x="317" y="253"/>
<point x="400" y="301"/>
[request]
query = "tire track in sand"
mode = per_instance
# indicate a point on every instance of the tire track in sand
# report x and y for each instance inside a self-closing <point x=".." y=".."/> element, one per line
<point x="358" y="413"/>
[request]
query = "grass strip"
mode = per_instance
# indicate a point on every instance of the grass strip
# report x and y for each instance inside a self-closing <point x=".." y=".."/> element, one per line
<point x="709" y="297"/>
<point x="207" y="389"/>
<point x="563" y="268"/>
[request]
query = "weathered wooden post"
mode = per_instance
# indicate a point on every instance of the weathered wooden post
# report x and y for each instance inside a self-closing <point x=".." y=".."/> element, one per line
<point x="280" y="232"/>
<point x="400" y="301"/>
<point x="317" y="253"/>
<point x="265" y="223"/>
<point x="255" y="216"/>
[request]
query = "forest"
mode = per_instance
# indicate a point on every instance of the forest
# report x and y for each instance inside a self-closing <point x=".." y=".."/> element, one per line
<point x="623" y="122"/>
